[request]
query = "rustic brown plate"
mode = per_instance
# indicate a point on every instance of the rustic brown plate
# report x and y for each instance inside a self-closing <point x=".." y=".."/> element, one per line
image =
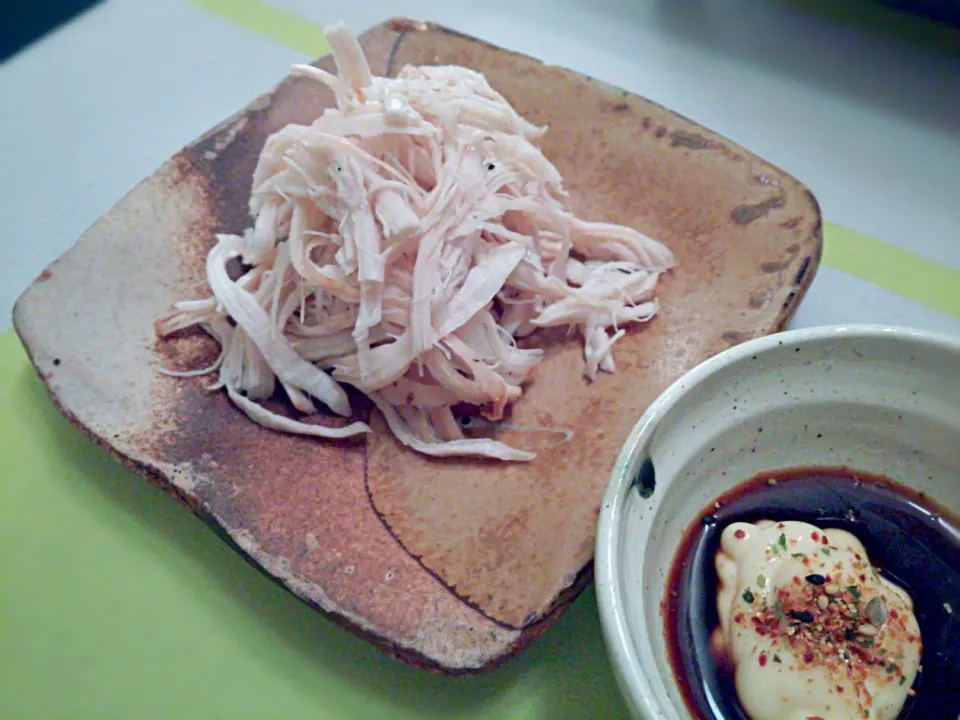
<point x="451" y="566"/>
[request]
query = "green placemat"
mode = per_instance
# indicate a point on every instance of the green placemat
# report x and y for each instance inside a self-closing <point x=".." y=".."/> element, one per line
<point x="116" y="602"/>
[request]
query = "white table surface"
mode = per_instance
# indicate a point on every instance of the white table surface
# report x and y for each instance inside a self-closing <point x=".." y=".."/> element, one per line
<point x="870" y="123"/>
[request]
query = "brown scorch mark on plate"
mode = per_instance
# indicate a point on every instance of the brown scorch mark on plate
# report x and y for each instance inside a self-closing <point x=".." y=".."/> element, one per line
<point x="772" y="266"/>
<point x="748" y="212"/>
<point x="691" y="140"/>
<point x="735" y="337"/>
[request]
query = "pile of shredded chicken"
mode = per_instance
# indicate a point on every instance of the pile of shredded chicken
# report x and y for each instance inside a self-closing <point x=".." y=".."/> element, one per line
<point x="400" y="244"/>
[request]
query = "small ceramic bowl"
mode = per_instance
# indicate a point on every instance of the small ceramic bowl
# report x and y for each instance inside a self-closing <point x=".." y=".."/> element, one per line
<point x="878" y="399"/>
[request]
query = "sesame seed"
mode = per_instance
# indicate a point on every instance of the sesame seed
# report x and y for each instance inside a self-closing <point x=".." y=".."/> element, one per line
<point x="868" y="630"/>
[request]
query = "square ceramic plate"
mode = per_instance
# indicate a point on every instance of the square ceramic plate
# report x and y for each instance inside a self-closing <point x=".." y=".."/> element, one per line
<point x="451" y="566"/>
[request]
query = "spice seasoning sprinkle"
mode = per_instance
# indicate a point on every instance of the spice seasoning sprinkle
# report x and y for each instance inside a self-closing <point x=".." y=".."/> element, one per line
<point x="821" y="611"/>
<point x="821" y="632"/>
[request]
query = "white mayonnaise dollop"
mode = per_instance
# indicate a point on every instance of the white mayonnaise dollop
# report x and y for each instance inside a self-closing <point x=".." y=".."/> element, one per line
<point x="810" y="628"/>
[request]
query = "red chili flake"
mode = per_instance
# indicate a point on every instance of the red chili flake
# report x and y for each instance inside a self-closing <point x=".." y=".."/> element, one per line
<point x="780" y="525"/>
<point x="808" y="656"/>
<point x="739" y="534"/>
<point x="857" y="556"/>
<point x="839" y="688"/>
<point x="796" y="579"/>
<point x="738" y="618"/>
<point x="863" y="578"/>
<point x="763" y="660"/>
<point x="824" y="541"/>
<point x="814" y="717"/>
<point x="814" y="536"/>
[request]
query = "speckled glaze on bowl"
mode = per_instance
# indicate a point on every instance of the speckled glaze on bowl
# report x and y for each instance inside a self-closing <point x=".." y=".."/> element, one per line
<point x="879" y="399"/>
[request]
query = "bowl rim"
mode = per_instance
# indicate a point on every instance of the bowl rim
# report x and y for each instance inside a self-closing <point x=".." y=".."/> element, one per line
<point x="634" y="685"/>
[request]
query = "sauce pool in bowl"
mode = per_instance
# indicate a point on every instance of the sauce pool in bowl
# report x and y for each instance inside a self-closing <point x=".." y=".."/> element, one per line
<point x="911" y="540"/>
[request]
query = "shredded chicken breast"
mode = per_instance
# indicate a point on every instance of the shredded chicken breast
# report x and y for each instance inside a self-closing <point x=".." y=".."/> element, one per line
<point x="400" y="244"/>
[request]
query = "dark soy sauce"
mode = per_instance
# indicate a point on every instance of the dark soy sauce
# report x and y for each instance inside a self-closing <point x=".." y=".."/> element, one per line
<point x="911" y="540"/>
